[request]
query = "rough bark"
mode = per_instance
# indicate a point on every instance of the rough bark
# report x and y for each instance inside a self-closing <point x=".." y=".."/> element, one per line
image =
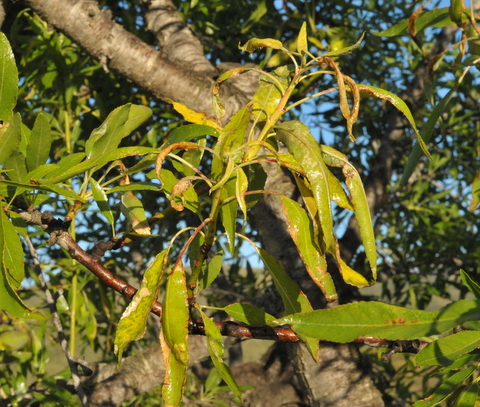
<point x="167" y="74"/>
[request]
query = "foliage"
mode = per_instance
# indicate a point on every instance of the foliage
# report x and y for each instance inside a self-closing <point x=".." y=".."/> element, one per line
<point x="207" y="176"/>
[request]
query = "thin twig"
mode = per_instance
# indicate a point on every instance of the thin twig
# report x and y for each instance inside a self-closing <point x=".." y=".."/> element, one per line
<point x="72" y="363"/>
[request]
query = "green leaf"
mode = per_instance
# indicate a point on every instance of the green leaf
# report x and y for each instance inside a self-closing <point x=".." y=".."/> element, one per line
<point x="358" y="199"/>
<point x="16" y="163"/>
<point x="446" y="389"/>
<point x="174" y="336"/>
<point x="256" y="177"/>
<point x="269" y="93"/>
<point x="241" y="187"/>
<point x="305" y="149"/>
<point x="12" y="272"/>
<point x="133" y="324"/>
<point x="132" y="209"/>
<point x="470" y="283"/>
<point x="346" y="50"/>
<point x="38" y="148"/>
<point x="190" y="132"/>
<point x="48" y="187"/>
<point x="439" y="17"/>
<point x="64" y="164"/>
<point x="249" y="314"/>
<point x="347" y="322"/>
<point x="118" y="125"/>
<point x="216" y="349"/>
<point x="10" y="139"/>
<point x="255" y="43"/>
<point x="428" y="131"/>
<point x="302" y="42"/>
<point x="8" y="81"/>
<point x="300" y="228"/>
<point x="102" y="201"/>
<point x="190" y="196"/>
<point x="137" y="186"/>
<point x="444" y="351"/>
<point x="293" y="298"/>
<point x="468" y="396"/>
<point x="96" y="163"/>
<point x="400" y="105"/>
<point x="211" y="272"/>
<point x="228" y="212"/>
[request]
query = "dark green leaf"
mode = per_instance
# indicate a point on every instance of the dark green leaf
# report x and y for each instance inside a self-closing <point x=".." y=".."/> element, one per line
<point x="8" y="81"/>
<point x="38" y="148"/>
<point x="10" y="139"/>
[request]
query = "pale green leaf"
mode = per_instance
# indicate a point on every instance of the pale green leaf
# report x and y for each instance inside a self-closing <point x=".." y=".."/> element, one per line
<point x="132" y="209"/>
<point x="468" y="396"/>
<point x="102" y="201"/>
<point x="444" y="351"/>
<point x="346" y="50"/>
<point x="241" y="187"/>
<point x="133" y="323"/>
<point x="269" y="93"/>
<point x="300" y="228"/>
<point x="256" y="43"/>
<point x="471" y="284"/>
<point x="211" y="272"/>
<point x="47" y="186"/>
<point x="38" y="148"/>
<point x="475" y="193"/>
<point x="302" y="42"/>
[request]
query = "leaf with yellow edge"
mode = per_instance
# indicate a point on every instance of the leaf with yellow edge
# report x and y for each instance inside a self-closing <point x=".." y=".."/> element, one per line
<point x="132" y="208"/>
<point x="133" y="323"/>
<point x="302" y="43"/>
<point x="193" y="116"/>
<point x="174" y="336"/>
<point x="256" y="43"/>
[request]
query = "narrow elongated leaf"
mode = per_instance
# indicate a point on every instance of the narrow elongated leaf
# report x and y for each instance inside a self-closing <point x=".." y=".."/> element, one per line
<point x="241" y="188"/>
<point x="175" y="336"/>
<point x="102" y="201"/>
<point x="471" y="284"/>
<point x="96" y="163"/>
<point x="38" y="148"/>
<point x="137" y="186"/>
<point x="133" y="324"/>
<point x="16" y="164"/>
<point x="305" y="149"/>
<point x="48" y="187"/>
<point x="358" y="199"/>
<point x="468" y="396"/>
<point x="12" y="272"/>
<point x="475" y="193"/>
<point x="190" y="196"/>
<point x="8" y="81"/>
<point x="249" y="314"/>
<point x="446" y="389"/>
<point x="301" y="230"/>
<point x="400" y="105"/>
<point x="133" y="210"/>
<point x="444" y="351"/>
<point x="190" y="132"/>
<point x="211" y="272"/>
<point x="302" y="43"/>
<point x="228" y="212"/>
<point x="118" y="125"/>
<point x="64" y="164"/>
<point x="10" y="139"/>
<point x="216" y="349"/>
<point x="348" y="322"/>
<point x="346" y="50"/>
<point x="293" y="298"/>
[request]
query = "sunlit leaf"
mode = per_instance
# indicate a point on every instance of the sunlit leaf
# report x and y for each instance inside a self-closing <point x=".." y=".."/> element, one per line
<point x="346" y="50"/>
<point x="133" y="324"/>
<point x="211" y="272"/>
<point x="102" y="201"/>
<point x="301" y="230"/>
<point x="174" y="336"/>
<point x="47" y="187"/>
<point x="8" y="81"/>
<point x="193" y="116"/>
<point x="302" y="43"/>
<point x="444" y="351"/>
<point x="133" y="210"/>
<point x="348" y="322"/>
<point x="400" y="105"/>
<point x="306" y="151"/>
<point x="256" y="43"/>
<point x="228" y="212"/>
<point x="269" y="93"/>
<point x="10" y="139"/>
<point x="118" y="125"/>
<point x="190" y="132"/>
<point x="249" y="314"/>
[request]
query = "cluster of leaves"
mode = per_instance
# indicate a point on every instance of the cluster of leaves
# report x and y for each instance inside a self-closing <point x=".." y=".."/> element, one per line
<point x="233" y="176"/>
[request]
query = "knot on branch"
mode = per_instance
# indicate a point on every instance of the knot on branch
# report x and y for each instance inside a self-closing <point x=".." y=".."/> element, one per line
<point x="101" y="247"/>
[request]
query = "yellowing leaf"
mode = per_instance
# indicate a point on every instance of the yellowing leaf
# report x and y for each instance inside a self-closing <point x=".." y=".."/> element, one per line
<point x="256" y="43"/>
<point x="133" y="210"/>
<point x="302" y="43"/>
<point x="193" y="116"/>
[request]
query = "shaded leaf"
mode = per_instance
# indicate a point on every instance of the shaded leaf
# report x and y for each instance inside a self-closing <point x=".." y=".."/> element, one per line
<point x="38" y="148"/>
<point x="444" y="351"/>
<point x="470" y="283"/>
<point x="475" y="193"/>
<point x="211" y="272"/>
<point x="216" y="350"/>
